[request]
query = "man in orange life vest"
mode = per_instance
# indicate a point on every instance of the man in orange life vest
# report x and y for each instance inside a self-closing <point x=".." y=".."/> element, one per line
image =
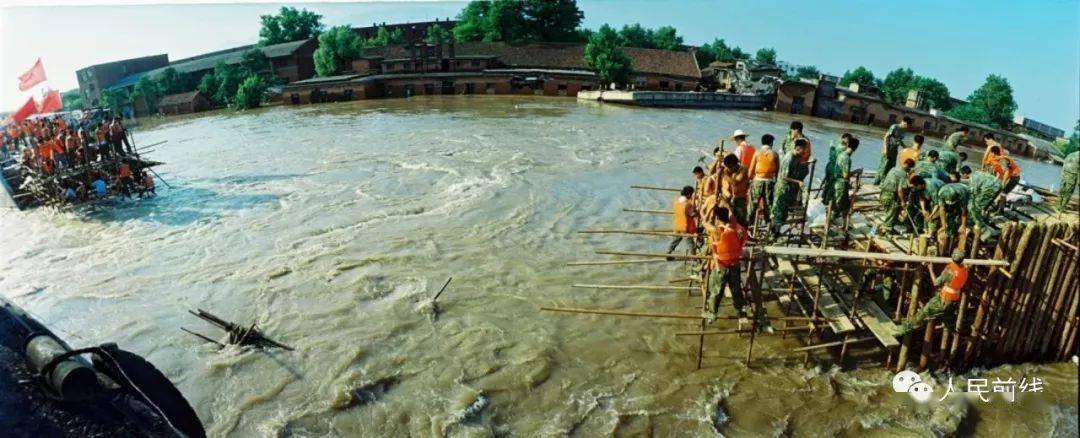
<point x="735" y="188"/>
<point x="743" y="149"/>
<point x="685" y="219"/>
<point x="950" y="283"/>
<point x="763" y="167"/>
<point x="727" y="238"/>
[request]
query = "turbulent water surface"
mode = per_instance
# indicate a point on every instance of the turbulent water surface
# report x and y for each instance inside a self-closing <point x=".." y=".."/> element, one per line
<point x="330" y="226"/>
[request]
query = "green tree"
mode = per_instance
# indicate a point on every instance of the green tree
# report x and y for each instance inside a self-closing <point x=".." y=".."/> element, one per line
<point x="208" y="86"/>
<point x="634" y="35"/>
<point x="737" y="53"/>
<point x="288" y="25"/>
<point x="934" y="91"/>
<point x="337" y="48"/>
<point x="114" y="100"/>
<point x="72" y="100"/>
<point x="437" y="34"/>
<point x="228" y="79"/>
<point x="666" y="38"/>
<point x="808" y="72"/>
<point x="861" y="75"/>
<point x="250" y="92"/>
<point x="170" y="81"/>
<point x="718" y="50"/>
<point x="896" y="85"/>
<point x="1073" y="144"/>
<point x="256" y="62"/>
<point x="553" y="20"/>
<point x="766" y="56"/>
<point x="506" y="22"/>
<point x="383" y="37"/>
<point x="149" y="90"/>
<point x="970" y="113"/>
<point x="603" y="55"/>
<point x="472" y="22"/>
<point x="995" y="98"/>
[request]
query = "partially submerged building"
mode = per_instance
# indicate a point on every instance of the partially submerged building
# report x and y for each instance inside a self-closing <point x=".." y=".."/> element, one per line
<point x="96" y="78"/>
<point x="864" y="105"/>
<point x="548" y="69"/>
<point x="183" y="103"/>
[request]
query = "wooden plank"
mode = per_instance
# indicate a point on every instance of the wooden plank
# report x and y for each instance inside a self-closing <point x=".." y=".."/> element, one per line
<point x="829" y="307"/>
<point x="862" y="255"/>
<point x="868" y="312"/>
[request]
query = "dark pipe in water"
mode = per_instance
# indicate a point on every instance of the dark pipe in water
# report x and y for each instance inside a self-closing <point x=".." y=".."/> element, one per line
<point x="71" y="379"/>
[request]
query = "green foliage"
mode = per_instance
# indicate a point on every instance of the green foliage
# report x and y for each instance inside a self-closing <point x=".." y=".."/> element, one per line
<point x="437" y="34"/>
<point x="383" y="37"/>
<point x="718" y="50"/>
<point x="995" y="98"/>
<point x="1074" y="140"/>
<point x="766" y="56"/>
<point x="256" y="62"/>
<point x="288" y="25"/>
<point x="208" y="86"/>
<point x="114" y="100"/>
<point x="337" y="48"/>
<point x="934" y="91"/>
<point x="808" y="72"/>
<point x="665" y="37"/>
<point x="171" y="82"/>
<point x="228" y="79"/>
<point x="72" y="100"/>
<point x="603" y="55"/>
<point x="149" y="90"/>
<point x="519" y="21"/>
<point x="250" y="92"/>
<point x="970" y="113"/>
<point x="896" y="85"/>
<point x="553" y="20"/>
<point x="861" y="75"/>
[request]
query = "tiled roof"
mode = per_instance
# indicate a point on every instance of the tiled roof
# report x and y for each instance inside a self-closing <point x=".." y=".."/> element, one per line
<point x="207" y="61"/>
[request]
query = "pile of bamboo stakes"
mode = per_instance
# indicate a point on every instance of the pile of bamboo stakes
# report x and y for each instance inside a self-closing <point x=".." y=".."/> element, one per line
<point x="1025" y="313"/>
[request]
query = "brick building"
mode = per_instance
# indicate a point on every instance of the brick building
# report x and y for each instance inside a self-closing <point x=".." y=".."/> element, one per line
<point x="95" y="78"/>
<point x="549" y="69"/>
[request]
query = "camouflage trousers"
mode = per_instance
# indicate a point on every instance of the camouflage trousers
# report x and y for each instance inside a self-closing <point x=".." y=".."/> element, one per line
<point x="731" y="277"/>
<point x="760" y="191"/>
<point x="891" y="204"/>
<point x="979" y="209"/>
<point x="1068" y="185"/>
<point x="934" y="308"/>
<point x="785" y="196"/>
<point x="738" y="209"/>
<point x="888" y="161"/>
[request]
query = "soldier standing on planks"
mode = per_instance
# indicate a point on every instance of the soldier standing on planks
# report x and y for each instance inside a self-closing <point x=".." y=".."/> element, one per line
<point x="763" y="168"/>
<point x="735" y="187"/>
<point x="950" y="208"/>
<point x="789" y="183"/>
<point x="985" y="190"/>
<point x="891" y="144"/>
<point x="951" y="283"/>
<point x="727" y="238"/>
<point x="953" y="141"/>
<point x="1069" y="171"/>
<point x="890" y="197"/>
<point x="836" y="187"/>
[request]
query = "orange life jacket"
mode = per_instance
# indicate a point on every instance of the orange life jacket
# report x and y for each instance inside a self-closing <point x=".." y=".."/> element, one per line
<point x="684" y="221"/>
<point x="745" y="151"/>
<point x="1011" y="169"/>
<point x="727" y="244"/>
<point x="736" y="189"/>
<point x="766" y="165"/>
<point x="951" y="291"/>
<point x="125" y="171"/>
<point x="907" y="154"/>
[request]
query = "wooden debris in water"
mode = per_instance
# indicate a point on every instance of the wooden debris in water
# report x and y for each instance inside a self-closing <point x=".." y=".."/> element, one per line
<point x="238" y="335"/>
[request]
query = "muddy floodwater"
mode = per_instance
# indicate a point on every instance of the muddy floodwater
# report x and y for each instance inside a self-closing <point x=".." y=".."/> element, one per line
<point x="331" y="225"/>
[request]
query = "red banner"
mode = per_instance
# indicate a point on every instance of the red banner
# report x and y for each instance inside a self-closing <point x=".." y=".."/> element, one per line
<point x="51" y="102"/>
<point x="34" y="76"/>
<point x="28" y="109"/>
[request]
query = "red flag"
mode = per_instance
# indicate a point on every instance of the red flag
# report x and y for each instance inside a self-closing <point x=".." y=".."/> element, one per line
<point x="51" y="102"/>
<point x="34" y="76"/>
<point x="28" y="109"/>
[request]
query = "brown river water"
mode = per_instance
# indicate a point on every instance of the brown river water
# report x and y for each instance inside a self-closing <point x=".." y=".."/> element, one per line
<point x="331" y="226"/>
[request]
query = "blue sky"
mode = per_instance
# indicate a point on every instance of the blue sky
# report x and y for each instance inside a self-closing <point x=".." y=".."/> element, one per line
<point x="1036" y="44"/>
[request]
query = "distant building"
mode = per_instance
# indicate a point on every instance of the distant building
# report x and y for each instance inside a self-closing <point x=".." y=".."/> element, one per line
<point x="95" y="78"/>
<point x="741" y="76"/>
<point x="183" y="103"/>
<point x="1039" y="129"/>
<point x="550" y="69"/>
<point x="862" y="105"/>
<point x="413" y="32"/>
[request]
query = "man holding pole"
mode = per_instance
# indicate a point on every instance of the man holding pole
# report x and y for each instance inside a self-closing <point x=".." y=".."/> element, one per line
<point x="685" y="220"/>
<point x="735" y="186"/>
<point x="727" y="238"/>
<point x="891" y="144"/>
<point x="950" y="283"/>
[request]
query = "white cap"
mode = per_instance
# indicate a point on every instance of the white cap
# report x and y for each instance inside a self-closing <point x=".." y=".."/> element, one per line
<point x="738" y="133"/>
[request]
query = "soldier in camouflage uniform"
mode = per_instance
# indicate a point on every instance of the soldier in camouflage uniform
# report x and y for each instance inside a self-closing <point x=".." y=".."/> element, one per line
<point x="794" y="133"/>
<point x="835" y="190"/>
<point x="1069" y="171"/>
<point x="953" y="141"/>
<point x="930" y="167"/>
<point x="985" y="190"/>
<point x="891" y="186"/>
<point x="952" y="202"/>
<point x="950" y="161"/>
<point x="789" y="182"/>
<point x="763" y="169"/>
<point x="891" y="144"/>
<point x="926" y="203"/>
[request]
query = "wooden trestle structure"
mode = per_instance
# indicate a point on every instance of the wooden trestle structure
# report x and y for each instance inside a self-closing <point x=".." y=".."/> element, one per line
<point x="847" y="295"/>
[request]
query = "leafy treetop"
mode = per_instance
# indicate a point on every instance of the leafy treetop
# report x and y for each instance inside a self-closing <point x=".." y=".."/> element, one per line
<point x="289" y="25"/>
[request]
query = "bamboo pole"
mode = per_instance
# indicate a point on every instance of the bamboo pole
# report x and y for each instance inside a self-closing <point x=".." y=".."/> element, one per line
<point x="833" y="344"/>
<point x="637" y="286"/>
<point x="663" y="189"/>
<point x="640" y="233"/>
<point x="712" y="332"/>
<point x="615" y="262"/>
<point x="912" y="308"/>
<point x="638" y="210"/>
<point x="672" y="257"/>
<point x="624" y="313"/>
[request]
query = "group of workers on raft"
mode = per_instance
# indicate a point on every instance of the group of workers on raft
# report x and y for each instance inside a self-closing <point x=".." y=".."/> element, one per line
<point x="749" y="186"/>
<point x="86" y="158"/>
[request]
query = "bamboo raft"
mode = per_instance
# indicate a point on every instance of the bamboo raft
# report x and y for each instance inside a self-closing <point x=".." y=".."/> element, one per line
<point x="844" y="298"/>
